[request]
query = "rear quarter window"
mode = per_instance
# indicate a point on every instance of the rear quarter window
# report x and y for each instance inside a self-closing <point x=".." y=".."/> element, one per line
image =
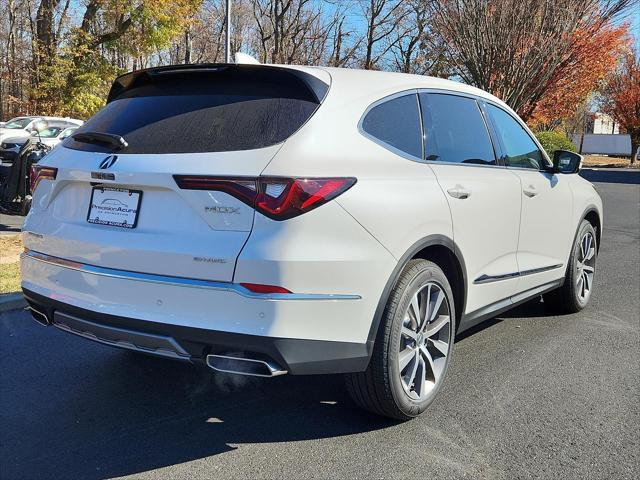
<point x="396" y="123"/>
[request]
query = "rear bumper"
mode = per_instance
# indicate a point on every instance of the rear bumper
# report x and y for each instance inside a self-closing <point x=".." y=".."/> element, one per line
<point x="297" y="356"/>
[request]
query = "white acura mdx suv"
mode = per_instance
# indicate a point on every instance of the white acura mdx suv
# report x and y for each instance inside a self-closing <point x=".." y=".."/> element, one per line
<point x="269" y="220"/>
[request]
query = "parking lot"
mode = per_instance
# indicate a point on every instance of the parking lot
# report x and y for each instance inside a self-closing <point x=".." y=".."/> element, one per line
<point x="529" y="395"/>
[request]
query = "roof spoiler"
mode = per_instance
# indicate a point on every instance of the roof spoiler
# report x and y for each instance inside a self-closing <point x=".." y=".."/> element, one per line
<point x="270" y="73"/>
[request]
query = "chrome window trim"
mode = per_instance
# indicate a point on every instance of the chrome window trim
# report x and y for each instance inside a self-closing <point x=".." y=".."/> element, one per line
<point x="179" y="281"/>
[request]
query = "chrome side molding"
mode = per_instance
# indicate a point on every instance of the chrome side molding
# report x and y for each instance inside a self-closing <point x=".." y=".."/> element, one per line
<point x="496" y="278"/>
<point x="180" y="281"/>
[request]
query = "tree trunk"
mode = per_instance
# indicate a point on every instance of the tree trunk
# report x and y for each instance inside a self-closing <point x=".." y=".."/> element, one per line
<point x="187" y="46"/>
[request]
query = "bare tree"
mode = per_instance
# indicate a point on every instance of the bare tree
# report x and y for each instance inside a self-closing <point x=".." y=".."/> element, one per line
<point x="382" y="19"/>
<point x="413" y="48"/>
<point x="290" y="31"/>
<point x="512" y="48"/>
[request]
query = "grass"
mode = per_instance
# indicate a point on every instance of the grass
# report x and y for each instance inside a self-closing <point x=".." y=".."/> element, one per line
<point x="10" y="249"/>
<point x="604" y="161"/>
<point x="9" y="278"/>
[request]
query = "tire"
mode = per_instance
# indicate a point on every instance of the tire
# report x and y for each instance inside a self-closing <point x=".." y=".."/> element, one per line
<point x="571" y="296"/>
<point x="385" y="387"/>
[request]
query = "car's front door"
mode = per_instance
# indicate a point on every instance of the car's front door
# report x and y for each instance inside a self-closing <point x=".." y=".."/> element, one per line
<point x="545" y="226"/>
<point x="484" y="198"/>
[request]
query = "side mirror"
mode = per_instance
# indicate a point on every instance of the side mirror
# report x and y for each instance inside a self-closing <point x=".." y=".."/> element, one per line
<point x="566" y="162"/>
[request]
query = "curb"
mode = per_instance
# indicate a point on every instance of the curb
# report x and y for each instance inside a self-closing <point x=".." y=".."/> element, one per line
<point x="11" y="301"/>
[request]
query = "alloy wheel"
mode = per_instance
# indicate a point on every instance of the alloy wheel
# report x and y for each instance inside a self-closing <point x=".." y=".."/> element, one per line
<point x="425" y="341"/>
<point x="585" y="265"/>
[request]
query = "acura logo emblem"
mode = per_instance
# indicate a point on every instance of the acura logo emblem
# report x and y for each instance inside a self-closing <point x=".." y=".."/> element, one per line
<point x="108" y="162"/>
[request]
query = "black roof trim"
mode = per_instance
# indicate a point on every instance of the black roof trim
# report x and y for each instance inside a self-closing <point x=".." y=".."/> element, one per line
<point x="138" y="78"/>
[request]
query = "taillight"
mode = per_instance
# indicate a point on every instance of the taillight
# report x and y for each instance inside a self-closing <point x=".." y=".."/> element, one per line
<point x="39" y="173"/>
<point x="277" y="198"/>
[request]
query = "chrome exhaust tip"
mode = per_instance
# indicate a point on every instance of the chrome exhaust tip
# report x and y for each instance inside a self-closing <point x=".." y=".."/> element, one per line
<point x="244" y="366"/>
<point x="39" y="317"/>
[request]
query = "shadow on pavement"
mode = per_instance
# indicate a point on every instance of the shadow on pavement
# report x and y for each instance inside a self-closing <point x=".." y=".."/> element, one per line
<point x="135" y="413"/>
<point x="630" y="176"/>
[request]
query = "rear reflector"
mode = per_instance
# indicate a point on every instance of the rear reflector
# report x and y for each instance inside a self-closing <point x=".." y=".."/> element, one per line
<point x="39" y="173"/>
<point x="259" y="288"/>
<point x="278" y="198"/>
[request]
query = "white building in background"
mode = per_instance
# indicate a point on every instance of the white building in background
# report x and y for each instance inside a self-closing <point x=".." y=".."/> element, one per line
<point x="604" y="124"/>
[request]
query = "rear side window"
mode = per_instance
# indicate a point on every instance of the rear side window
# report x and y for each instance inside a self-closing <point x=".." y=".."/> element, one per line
<point x="396" y="123"/>
<point x="455" y="130"/>
<point x="193" y="112"/>
<point x="519" y="149"/>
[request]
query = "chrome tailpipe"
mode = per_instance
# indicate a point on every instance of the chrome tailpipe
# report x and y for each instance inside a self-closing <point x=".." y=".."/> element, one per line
<point x="39" y="317"/>
<point x="244" y="366"/>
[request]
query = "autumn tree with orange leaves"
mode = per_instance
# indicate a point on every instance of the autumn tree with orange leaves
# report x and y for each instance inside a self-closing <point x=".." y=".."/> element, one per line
<point x="592" y="58"/>
<point x="521" y="50"/>
<point x="621" y="98"/>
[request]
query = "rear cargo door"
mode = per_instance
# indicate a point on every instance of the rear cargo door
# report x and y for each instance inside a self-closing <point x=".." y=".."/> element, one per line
<point x="122" y="209"/>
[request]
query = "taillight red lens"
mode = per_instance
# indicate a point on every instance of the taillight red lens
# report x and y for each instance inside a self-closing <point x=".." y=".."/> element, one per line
<point x="276" y="197"/>
<point x="283" y="198"/>
<point x="38" y="173"/>
<point x="259" y="288"/>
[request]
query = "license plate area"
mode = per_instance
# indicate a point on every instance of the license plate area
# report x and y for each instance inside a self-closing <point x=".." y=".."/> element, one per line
<point x="116" y="207"/>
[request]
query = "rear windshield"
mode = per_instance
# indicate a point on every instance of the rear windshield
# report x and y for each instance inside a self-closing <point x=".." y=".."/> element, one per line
<point x="186" y="112"/>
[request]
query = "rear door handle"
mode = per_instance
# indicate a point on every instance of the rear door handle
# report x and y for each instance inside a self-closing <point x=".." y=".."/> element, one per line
<point x="459" y="192"/>
<point x="530" y="191"/>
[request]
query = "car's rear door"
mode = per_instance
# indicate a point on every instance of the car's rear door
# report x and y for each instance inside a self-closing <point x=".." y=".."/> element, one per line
<point x="546" y="227"/>
<point x="484" y="198"/>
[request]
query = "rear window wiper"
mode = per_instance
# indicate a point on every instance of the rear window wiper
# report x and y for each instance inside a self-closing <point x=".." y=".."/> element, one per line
<point x="99" y="138"/>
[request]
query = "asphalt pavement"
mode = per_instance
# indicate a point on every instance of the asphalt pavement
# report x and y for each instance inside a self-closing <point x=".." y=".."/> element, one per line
<point x="529" y="395"/>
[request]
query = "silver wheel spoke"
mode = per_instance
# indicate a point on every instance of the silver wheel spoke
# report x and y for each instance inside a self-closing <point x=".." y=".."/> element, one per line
<point x="409" y="333"/>
<point x="405" y="357"/>
<point x="427" y="356"/>
<point x="414" y="368"/>
<point x="414" y="310"/>
<point x="442" y="347"/>
<point x="436" y="325"/>
<point x="420" y="383"/>
<point x="436" y="305"/>
<point x="589" y="269"/>
<point x="424" y="308"/>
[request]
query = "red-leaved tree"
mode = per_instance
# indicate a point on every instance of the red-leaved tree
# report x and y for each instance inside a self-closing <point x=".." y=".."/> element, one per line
<point x="592" y="57"/>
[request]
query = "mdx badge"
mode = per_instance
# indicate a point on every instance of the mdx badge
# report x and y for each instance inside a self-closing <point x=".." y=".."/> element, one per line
<point x="227" y="210"/>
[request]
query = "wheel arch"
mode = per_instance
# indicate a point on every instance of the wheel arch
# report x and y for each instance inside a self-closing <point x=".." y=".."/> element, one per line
<point x="443" y="252"/>
<point x="592" y="216"/>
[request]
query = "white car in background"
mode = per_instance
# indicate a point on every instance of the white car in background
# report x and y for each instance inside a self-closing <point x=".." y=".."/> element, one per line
<point x="268" y="220"/>
<point x="51" y="136"/>
<point x="22" y="127"/>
